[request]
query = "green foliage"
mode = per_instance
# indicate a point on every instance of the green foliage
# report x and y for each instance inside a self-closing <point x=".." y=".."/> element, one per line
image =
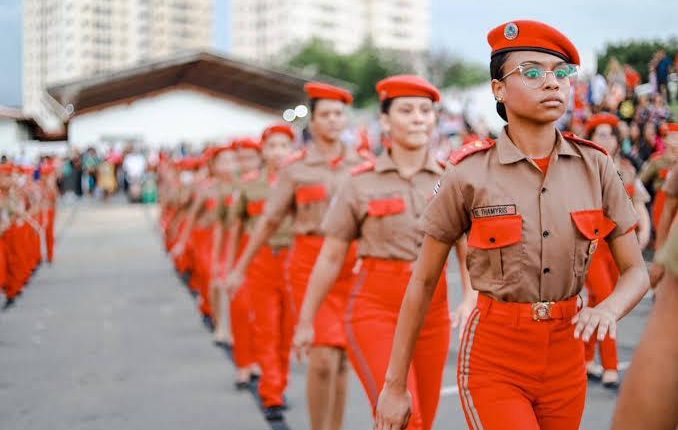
<point x="636" y="53"/>
<point x="365" y="67"/>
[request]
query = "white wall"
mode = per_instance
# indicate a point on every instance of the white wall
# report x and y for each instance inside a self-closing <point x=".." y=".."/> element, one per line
<point x="181" y="115"/>
<point x="11" y="134"/>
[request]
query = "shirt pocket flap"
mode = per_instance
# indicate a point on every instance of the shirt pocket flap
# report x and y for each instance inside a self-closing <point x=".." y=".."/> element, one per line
<point x="593" y="224"/>
<point x="306" y="194"/>
<point x="496" y="232"/>
<point x="385" y="207"/>
<point x="255" y="208"/>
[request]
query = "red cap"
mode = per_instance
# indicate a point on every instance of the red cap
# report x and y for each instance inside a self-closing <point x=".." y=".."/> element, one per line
<point x="213" y="151"/>
<point x="406" y="86"/>
<point x="672" y="127"/>
<point x="247" y="143"/>
<point x="190" y="163"/>
<point x="601" y="118"/>
<point x="527" y="35"/>
<point x="6" y="168"/>
<point x="319" y="90"/>
<point x="277" y="128"/>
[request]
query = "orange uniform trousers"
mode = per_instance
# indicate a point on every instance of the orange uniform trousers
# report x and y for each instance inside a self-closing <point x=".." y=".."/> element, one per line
<point x="202" y="239"/>
<point x="49" y="234"/>
<point x="517" y="373"/>
<point x="3" y="264"/>
<point x="328" y="324"/>
<point x="602" y="278"/>
<point x="273" y="322"/>
<point x="242" y="318"/>
<point x="371" y="320"/>
<point x="658" y="207"/>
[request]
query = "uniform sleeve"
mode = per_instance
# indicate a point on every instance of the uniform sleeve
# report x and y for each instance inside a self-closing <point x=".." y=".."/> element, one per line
<point x="648" y="172"/>
<point x="616" y="202"/>
<point x="671" y="184"/>
<point x="281" y="199"/>
<point x="641" y="195"/>
<point x="342" y="217"/>
<point x="446" y="218"/>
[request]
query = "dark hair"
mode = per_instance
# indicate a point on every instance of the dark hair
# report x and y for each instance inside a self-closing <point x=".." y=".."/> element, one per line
<point x="386" y="105"/>
<point x="311" y="106"/>
<point x="496" y="72"/>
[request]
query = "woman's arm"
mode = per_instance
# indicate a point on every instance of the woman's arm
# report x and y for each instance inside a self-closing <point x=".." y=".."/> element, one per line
<point x="644" y="225"/>
<point x="470" y="296"/>
<point x="631" y="287"/>
<point x="393" y="407"/>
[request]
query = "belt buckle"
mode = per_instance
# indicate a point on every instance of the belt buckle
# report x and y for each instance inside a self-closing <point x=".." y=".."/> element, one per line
<point x="541" y="311"/>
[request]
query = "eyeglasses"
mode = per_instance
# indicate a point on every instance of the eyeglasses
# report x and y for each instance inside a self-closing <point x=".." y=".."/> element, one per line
<point x="534" y="76"/>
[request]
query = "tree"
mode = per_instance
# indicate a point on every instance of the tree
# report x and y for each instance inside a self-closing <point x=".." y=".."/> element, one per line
<point x="638" y="54"/>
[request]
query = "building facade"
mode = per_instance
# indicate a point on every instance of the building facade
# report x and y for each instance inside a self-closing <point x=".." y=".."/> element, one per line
<point x="267" y="30"/>
<point x="66" y="40"/>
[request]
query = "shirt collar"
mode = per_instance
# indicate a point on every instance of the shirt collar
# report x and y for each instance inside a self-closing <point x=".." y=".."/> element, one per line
<point x="509" y="153"/>
<point x="384" y="163"/>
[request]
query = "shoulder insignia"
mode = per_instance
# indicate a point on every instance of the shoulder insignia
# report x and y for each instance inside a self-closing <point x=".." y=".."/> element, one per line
<point x="367" y="166"/>
<point x="296" y="156"/>
<point x="472" y="148"/>
<point x="573" y="138"/>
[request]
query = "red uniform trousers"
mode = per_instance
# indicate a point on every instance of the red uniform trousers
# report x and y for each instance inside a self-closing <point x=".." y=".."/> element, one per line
<point x="202" y="239"/>
<point x="274" y="322"/>
<point x="371" y="320"/>
<point x="658" y="207"/>
<point x="3" y="264"/>
<point x="49" y="233"/>
<point x="517" y="373"/>
<point x="15" y="260"/>
<point x="242" y="319"/>
<point x="602" y="278"/>
<point x="329" y="321"/>
<point x="183" y="262"/>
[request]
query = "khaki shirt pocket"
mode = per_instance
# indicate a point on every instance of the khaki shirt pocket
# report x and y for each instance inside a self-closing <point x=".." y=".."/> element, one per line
<point x="496" y="249"/>
<point x="592" y="226"/>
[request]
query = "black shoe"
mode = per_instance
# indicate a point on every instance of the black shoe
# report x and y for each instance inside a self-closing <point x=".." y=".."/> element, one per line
<point x="255" y="377"/>
<point x="9" y="303"/>
<point x="613" y="386"/>
<point x="274" y="413"/>
<point x="208" y="322"/>
<point x="242" y="385"/>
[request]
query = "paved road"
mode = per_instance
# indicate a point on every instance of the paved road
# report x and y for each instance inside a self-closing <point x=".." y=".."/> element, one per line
<point x="107" y="338"/>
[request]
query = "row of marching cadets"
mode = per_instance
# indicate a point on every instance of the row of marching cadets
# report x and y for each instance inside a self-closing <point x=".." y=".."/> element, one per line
<point x="28" y="200"/>
<point x="340" y="254"/>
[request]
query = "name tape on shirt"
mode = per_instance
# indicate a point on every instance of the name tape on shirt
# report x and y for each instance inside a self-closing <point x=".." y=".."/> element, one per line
<point x="489" y="211"/>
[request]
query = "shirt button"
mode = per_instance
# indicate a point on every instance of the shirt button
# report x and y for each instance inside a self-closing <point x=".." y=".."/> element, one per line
<point x="492" y="240"/>
<point x="546" y="233"/>
<point x="596" y="231"/>
<point x="547" y="271"/>
<point x="543" y="190"/>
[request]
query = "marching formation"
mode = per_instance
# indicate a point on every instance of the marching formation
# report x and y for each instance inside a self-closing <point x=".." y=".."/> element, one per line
<point x="339" y="254"/>
<point x="28" y="200"/>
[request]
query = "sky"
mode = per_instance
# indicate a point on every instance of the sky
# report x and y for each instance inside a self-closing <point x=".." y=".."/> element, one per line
<point x="458" y="26"/>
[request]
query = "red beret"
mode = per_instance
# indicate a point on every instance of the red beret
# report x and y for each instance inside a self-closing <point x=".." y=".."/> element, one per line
<point x="277" y="128"/>
<point x="601" y="118"/>
<point x="526" y="35"/>
<point x="319" y="90"/>
<point x="213" y="151"/>
<point x="406" y="86"/>
<point x="672" y="127"/>
<point x="247" y="143"/>
<point x="190" y="163"/>
<point x="6" y="169"/>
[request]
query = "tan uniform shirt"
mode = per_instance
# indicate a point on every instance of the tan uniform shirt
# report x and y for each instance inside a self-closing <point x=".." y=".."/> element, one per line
<point x="381" y="209"/>
<point x="255" y="189"/>
<point x="530" y="236"/>
<point x="306" y="186"/>
<point x="655" y="171"/>
<point x="671" y="184"/>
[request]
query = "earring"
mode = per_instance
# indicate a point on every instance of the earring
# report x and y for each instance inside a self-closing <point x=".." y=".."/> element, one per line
<point x="498" y="99"/>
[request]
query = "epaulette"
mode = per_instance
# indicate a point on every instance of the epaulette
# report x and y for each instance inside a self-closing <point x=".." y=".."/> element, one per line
<point x="367" y="154"/>
<point x="573" y="138"/>
<point x="298" y="155"/>
<point x="466" y="150"/>
<point x="442" y="163"/>
<point x="367" y="166"/>
<point x="656" y="156"/>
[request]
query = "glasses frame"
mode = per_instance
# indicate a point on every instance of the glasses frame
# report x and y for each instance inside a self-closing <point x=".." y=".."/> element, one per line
<point x="521" y="67"/>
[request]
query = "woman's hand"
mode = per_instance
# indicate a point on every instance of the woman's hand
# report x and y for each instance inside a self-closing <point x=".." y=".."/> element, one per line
<point x="393" y="409"/>
<point x="233" y="283"/>
<point x="303" y="338"/>
<point x="588" y="320"/>
<point x="462" y="312"/>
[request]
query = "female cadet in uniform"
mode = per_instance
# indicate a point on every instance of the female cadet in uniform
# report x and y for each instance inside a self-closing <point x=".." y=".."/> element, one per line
<point x="265" y="278"/>
<point x="535" y="203"/>
<point x="380" y="206"/>
<point x="304" y="187"/>
<point x="603" y="272"/>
